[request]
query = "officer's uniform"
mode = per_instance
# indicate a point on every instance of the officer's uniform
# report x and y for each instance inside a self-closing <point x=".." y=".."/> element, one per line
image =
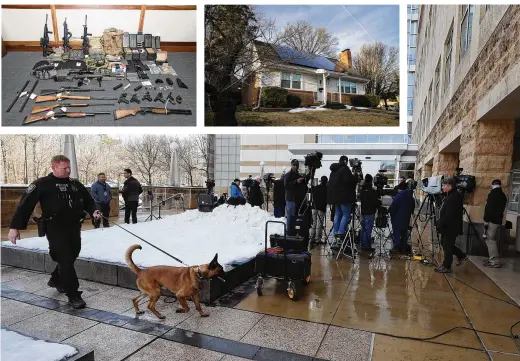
<point x="63" y="202"/>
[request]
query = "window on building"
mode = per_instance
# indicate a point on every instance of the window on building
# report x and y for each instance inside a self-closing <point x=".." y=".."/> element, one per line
<point x="409" y="126"/>
<point x="286" y="80"/>
<point x="347" y="87"/>
<point x="437" y="85"/>
<point x="465" y="28"/>
<point x="410" y="106"/>
<point x="291" y="81"/>
<point x="296" y="81"/>
<point x="447" y="63"/>
<point x="514" y="191"/>
<point x="409" y="9"/>
<point x="411" y="56"/>
<point x="415" y="9"/>
<point x="407" y="169"/>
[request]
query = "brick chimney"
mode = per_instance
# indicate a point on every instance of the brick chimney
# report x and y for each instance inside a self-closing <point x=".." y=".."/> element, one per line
<point x="346" y="57"/>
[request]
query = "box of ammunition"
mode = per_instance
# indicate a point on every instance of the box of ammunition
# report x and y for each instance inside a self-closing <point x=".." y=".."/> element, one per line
<point x="143" y="55"/>
<point x="148" y="38"/>
<point x="140" y="41"/>
<point x="156" y="43"/>
<point x="151" y="55"/>
<point x="133" y="41"/>
<point x="126" y="40"/>
<point x="127" y="53"/>
<point x="135" y="54"/>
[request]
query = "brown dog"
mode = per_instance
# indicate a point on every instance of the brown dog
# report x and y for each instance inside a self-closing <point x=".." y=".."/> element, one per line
<point x="182" y="281"/>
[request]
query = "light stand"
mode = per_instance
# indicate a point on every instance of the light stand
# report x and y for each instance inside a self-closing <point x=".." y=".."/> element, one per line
<point x="151" y="217"/>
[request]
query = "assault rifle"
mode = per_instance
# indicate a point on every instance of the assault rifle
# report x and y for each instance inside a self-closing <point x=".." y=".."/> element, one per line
<point x="86" y="44"/>
<point x="66" y="89"/>
<point x="123" y="113"/>
<point x="44" y="42"/>
<point x="66" y="37"/>
<point x="36" y="118"/>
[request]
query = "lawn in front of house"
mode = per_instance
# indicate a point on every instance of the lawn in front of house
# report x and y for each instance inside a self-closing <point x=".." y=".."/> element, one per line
<point x="326" y="118"/>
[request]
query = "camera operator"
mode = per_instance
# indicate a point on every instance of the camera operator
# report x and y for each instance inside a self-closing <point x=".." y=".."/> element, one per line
<point x="493" y="217"/>
<point x="295" y="190"/>
<point x="449" y="225"/>
<point x="279" y="197"/>
<point x="319" y="193"/>
<point x="401" y="210"/>
<point x="370" y="202"/>
<point x="256" y="197"/>
<point x="341" y="192"/>
<point x="63" y="201"/>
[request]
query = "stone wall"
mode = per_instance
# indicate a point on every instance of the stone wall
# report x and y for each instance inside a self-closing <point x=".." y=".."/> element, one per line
<point x="11" y="197"/>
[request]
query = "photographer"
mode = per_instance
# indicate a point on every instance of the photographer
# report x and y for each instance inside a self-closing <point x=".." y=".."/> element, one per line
<point x="341" y="192"/>
<point x="319" y="193"/>
<point x="370" y="202"/>
<point x="449" y="225"/>
<point x="295" y="190"/>
<point x="279" y="197"/>
<point x="401" y="212"/>
<point x="493" y="217"/>
<point x="256" y="197"/>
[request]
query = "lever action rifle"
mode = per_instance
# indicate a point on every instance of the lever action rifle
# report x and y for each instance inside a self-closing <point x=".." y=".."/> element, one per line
<point x="86" y="44"/>
<point x="44" y="42"/>
<point x="123" y="113"/>
<point x="66" y="37"/>
<point x="54" y="98"/>
<point x="36" y="118"/>
<point x="47" y="108"/>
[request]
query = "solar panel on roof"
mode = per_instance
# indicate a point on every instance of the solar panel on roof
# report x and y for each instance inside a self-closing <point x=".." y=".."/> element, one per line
<point x="297" y="57"/>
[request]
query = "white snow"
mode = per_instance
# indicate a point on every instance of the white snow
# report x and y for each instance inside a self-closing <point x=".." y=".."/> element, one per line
<point x="298" y="110"/>
<point x="235" y="233"/>
<point x="13" y="185"/>
<point x="16" y="347"/>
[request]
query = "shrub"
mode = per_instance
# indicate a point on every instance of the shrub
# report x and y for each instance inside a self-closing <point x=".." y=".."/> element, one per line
<point x="364" y="100"/>
<point x="374" y="100"/>
<point x="273" y="97"/>
<point x="293" y="101"/>
<point x="334" y="105"/>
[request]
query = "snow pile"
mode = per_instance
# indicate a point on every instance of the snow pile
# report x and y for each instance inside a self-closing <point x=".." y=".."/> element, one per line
<point x="235" y="233"/>
<point x="16" y="347"/>
<point x="298" y="110"/>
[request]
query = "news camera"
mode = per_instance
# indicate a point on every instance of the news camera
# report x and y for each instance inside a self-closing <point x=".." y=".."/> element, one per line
<point x="464" y="183"/>
<point x="357" y="170"/>
<point x="380" y="180"/>
<point x="432" y="185"/>
<point x="210" y="184"/>
<point x="313" y="160"/>
<point x="269" y="180"/>
<point x="248" y="182"/>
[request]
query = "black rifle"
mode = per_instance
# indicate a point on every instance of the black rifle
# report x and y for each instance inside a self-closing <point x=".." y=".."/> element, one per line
<point x="86" y="44"/>
<point x="44" y="42"/>
<point x="67" y="89"/>
<point x="17" y="96"/>
<point x="29" y="95"/>
<point x="66" y="37"/>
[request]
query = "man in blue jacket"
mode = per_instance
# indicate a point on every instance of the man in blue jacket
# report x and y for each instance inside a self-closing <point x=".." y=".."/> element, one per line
<point x="401" y="212"/>
<point x="234" y="189"/>
<point x="100" y="191"/>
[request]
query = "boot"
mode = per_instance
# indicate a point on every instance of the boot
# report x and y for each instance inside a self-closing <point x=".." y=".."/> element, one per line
<point x="53" y="285"/>
<point x="76" y="301"/>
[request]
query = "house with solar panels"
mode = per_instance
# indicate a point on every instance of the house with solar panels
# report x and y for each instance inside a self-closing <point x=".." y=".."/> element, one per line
<point x="315" y="79"/>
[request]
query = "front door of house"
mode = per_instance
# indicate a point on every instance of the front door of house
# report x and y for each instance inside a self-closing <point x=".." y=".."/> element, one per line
<point x="319" y="89"/>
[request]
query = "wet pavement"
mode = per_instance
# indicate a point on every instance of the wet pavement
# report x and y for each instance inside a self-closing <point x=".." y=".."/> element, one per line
<point x="350" y="310"/>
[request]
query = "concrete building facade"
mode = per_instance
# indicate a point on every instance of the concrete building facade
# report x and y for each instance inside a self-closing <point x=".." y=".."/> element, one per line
<point x="466" y="95"/>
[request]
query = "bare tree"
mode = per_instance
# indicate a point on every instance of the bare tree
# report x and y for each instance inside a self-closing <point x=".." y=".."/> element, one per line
<point x="201" y="141"/>
<point x="188" y="158"/>
<point x="303" y="36"/>
<point x="87" y="162"/>
<point x="5" y="146"/>
<point x="143" y="154"/>
<point x="379" y="63"/>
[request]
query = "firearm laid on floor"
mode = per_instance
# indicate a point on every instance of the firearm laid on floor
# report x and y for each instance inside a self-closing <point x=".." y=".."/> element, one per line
<point x="48" y="108"/>
<point x="54" y="98"/>
<point x="36" y="118"/>
<point x="123" y="113"/>
<point x="67" y="89"/>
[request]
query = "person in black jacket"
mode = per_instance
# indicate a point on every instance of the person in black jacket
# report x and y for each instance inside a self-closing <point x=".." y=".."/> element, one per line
<point x="131" y="191"/>
<point x="295" y="189"/>
<point x="256" y="197"/>
<point x="319" y="194"/>
<point x="370" y="202"/>
<point x="341" y="192"/>
<point x="63" y="201"/>
<point x="493" y="218"/>
<point x="449" y="225"/>
<point x="401" y="211"/>
<point x="279" y="198"/>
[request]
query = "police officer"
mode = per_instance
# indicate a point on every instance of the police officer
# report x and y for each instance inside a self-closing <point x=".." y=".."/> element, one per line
<point x="63" y="201"/>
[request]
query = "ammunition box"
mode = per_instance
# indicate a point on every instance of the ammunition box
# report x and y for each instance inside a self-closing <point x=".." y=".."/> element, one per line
<point x="140" y="41"/>
<point x="156" y="43"/>
<point x="148" y="38"/>
<point x="126" y="40"/>
<point x="135" y="54"/>
<point x="143" y="55"/>
<point x="133" y="41"/>
<point x="151" y="55"/>
<point x="127" y="53"/>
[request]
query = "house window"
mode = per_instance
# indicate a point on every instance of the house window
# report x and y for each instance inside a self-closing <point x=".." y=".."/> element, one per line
<point x="291" y="81"/>
<point x="353" y="88"/>
<point x="465" y="28"/>
<point x="347" y="87"/>
<point x="447" y="63"/>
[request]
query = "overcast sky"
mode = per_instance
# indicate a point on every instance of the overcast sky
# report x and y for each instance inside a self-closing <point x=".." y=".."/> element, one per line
<point x="375" y="22"/>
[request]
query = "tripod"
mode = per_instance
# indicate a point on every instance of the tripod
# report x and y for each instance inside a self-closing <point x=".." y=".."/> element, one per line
<point x="151" y="217"/>
<point x="431" y="218"/>
<point x="381" y="227"/>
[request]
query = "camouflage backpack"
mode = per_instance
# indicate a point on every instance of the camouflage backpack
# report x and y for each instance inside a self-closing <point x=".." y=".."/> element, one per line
<point x="112" y="41"/>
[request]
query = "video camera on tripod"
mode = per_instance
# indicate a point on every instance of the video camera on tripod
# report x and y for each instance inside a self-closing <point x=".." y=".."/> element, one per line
<point x="465" y="183"/>
<point x="269" y="180"/>
<point x="357" y="171"/>
<point x="313" y="160"/>
<point x="210" y="185"/>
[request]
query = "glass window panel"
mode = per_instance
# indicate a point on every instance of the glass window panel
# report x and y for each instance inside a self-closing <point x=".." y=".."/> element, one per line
<point x="389" y="166"/>
<point x="297" y="77"/>
<point x="372" y="138"/>
<point x="411" y="78"/>
<point x="406" y="166"/>
<point x="286" y="83"/>
<point x="413" y="27"/>
<point x="361" y="138"/>
<point x="296" y="84"/>
<point x="286" y="76"/>
<point x="353" y="88"/>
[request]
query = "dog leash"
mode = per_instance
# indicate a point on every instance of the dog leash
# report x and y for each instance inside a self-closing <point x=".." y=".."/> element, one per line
<point x="136" y="236"/>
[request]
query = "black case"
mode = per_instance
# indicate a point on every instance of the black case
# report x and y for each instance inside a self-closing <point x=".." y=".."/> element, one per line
<point x="300" y="227"/>
<point x="298" y="265"/>
<point x="148" y="40"/>
<point x="140" y="41"/>
<point x="294" y="243"/>
<point x="133" y="41"/>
